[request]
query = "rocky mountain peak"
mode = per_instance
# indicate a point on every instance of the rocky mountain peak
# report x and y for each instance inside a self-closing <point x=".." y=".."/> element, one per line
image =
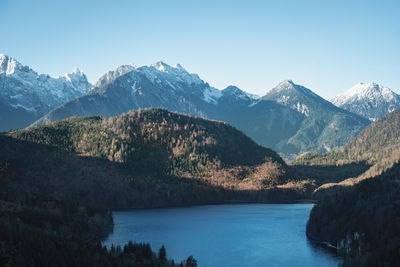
<point x="10" y="65"/>
<point x="370" y="100"/>
<point x="110" y="76"/>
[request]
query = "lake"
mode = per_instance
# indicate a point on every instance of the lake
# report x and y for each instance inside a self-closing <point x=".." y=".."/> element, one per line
<point x="226" y="235"/>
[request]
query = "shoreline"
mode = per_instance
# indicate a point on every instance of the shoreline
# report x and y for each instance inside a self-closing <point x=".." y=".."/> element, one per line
<point x="233" y="202"/>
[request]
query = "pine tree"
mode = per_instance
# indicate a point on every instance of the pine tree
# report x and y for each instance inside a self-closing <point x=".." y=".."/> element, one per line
<point x="162" y="255"/>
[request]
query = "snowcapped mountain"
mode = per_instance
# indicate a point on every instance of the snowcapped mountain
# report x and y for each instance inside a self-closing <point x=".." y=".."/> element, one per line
<point x="233" y="95"/>
<point x="130" y="87"/>
<point x="295" y="96"/>
<point x="370" y="100"/>
<point x="26" y="95"/>
<point x="322" y="127"/>
<point x="113" y="74"/>
<point x="177" y="73"/>
<point x="290" y="118"/>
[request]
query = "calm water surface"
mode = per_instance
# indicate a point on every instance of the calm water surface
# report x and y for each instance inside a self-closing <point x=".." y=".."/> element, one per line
<point x="226" y="235"/>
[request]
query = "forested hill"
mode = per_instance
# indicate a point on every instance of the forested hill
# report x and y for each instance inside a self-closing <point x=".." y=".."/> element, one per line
<point x="156" y="142"/>
<point x="129" y="135"/>
<point x="359" y="216"/>
<point x="362" y="221"/>
<point x="54" y="207"/>
<point x="148" y="158"/>
<point x="377" y="146"/>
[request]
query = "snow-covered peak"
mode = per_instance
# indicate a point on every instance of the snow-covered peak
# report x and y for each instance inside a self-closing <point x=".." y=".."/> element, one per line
<point x="113" y="74"/>
<point x="295" y="96"/>
<point x="75" y="75"/>
<point x="166" y="79"/>
<point x="164" y="67"/>
<point x="177" y="72"/>
<point x="287" y="82"/>
<point x="367" y="92"/>
<point x="3" y="62"/>
<point x="77" y="71"/>
<point x="25" y="88"/>
<point x="78" y="79"/>
<point x="9" y="65"/>
<point x="238" y="93"/>
<point x="161" y="66"/>
<point x="288" y="86"/>
<point x="284" y="86"/>
<point x="370" y="100"/>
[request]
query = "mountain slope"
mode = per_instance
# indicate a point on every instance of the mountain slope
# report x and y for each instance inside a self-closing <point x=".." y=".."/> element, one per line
<point x="232" y="96"/>
<point x="323" y="126"/>
<point x="55" y="205"/>
<point x="26" y="95"/>
<point x="157" y="85"/>
<point x="370" y="100"/>
<point x="266" y="122"/>
<point x="160" y="143"/>
<point x="378" y="145"/>
<point x="362" y="221"/>
<point x="360" y="216"/>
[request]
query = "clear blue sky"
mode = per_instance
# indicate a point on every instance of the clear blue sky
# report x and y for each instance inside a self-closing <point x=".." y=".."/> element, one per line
<point x="328" y="46"/>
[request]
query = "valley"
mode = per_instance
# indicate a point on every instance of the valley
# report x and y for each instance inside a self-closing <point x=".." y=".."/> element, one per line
<point x="83" y="168"/>
<point x="64" y="178"/>
<point x="199" y="133"/>
<point x="158" y="136"/>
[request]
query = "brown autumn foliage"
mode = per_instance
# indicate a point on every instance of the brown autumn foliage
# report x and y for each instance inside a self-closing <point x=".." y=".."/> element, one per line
<point x="158" y="143"/>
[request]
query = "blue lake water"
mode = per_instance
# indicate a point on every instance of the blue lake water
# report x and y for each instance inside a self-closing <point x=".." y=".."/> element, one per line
<point x="226" y="235"/>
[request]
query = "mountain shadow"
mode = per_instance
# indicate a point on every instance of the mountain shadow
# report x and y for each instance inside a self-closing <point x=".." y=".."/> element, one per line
<point x="323" y="174"/>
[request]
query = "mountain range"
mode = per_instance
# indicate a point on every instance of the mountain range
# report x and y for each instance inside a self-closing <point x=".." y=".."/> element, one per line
<point x="290" y="118"/>
<point x="322" y="126"/>
<point x="61" y="177"/>
<point x="25" y="95"/>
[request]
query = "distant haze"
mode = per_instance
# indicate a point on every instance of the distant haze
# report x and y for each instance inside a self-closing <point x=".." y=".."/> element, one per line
<point x="325" y="46"/>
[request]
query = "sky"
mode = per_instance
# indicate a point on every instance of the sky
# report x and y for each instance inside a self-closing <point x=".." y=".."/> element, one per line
<point x="327" y="46"/>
